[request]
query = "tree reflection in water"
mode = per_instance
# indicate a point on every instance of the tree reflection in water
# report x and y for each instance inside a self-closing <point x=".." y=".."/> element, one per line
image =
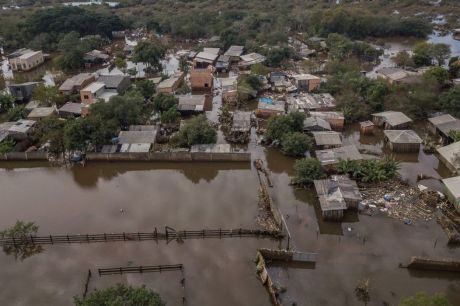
<point x="23" y="247"/>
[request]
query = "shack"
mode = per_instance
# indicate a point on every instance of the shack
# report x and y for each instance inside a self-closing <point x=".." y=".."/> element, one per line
<point x="201" y="78"/>
<point x="335" y="195"/>
<point x="452" y="190"/>
<point x="70" y="110"/>
<point x="391" y="120"/>
<point x="268" y="108"/>
<point x="39" y="113"/>
<point x="335" y="119"/>
<point x="136" y="141"/>
<point x="191" y="103"/>
<point x="223" y="63"/>
<point x="331" y="157"/>
<point x="450" y="156"/>
<point x="398" y="76"/>
<point x="366" y="127"/>
<point x="22" y="92"/>
<point x="403" y="140"/>
<point x="327" y="139"/>
<point x="306" y="82"/>
<point x="312" y="124"/>
<point x="204" y="59"/>
<point x="229" y="90"/>
<point x="241" y="127"/>
<point x="440" y="126"/>
<point x="76" y="83"/>
<point x="251" y="59"/>
<point x="234" y="52"/>
<point x="170" y="85"/>
<point x="22" y="129"/>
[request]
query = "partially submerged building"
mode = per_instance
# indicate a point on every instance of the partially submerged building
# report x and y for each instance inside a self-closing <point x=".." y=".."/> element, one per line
<point x="137" y="141"/>
<point x="116" y="83"/>
<point x="223" y="63"/>
<point x="204" y="59"/>
<point x="312" y="102"/>
<point x="327" y="139"/>
<point x="335" y="119"/>
<point x="306" y="82"/>
<point x="316" y="124"/>
<point x="229" y="90"/>
<point x="403" y="140"/>
<point x="366" y="127"/>
<point x="335" y="195"/>
<point x="202" y="78"/>
<point x="22" y="92"/>
<point x="171" y="84"/>
<point x="234" y="52"/>
<point x="398" y="76"/>
<point x="22" y="129"/>
<point x="391" y="120"/>
<point x="442" y="125"/>
<point x="76" y="83"/>
<point x="191" y="103"/>
<point x="268" y="107"/>
<point x="452" y="190"/>
<point x="40" y="113"/>
<point x="241" y="127"/>
<point x="25" y="59"/>
<point x="70" y="110"/>
<point x="331" y="157"/>
<point x="92" y="93"/>
<point x="450" y="156"/>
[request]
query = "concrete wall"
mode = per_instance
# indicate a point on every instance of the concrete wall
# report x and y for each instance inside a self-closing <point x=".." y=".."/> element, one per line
<point x="170" y="156"/>
<point x="24" y="156"/>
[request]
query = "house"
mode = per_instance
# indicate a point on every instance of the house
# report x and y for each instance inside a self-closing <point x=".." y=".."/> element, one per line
<point x="398" y="76"/>
<point x="223" y="63"/>
<point x="337" y="194"/>
<point x="95" y="57"/>
<point x="229" y="90"/>
<point x="201" y="79"/>
<point x="39" y="113"/>
<point x="335" y="119"/>
<point x="452" y="190"/>
<point x="403" y="140"/>
<point x="212" y="50"/>
<point x="76" y="83"/>
<point x="241" y="127"/>
<point x="312" y="124"/>
<point x="117" y="83"/>
<point x="204" y="59"/>
<point x="312" y="102"/>
<point x="170" y="85"/>
<point x="450" y="156"/>
<point x="251" y="59"/>
<point x="191" y="103"/>
<point x="441" y="126"/>
<point x="91" y="93"/>
<point x="327" y="139"/>
<point x="234" y="52"/>
<point x="22" y="92"/>
<point x="70" y="110"/>
<point x="22" y="129"/>
<point x="391" y="120"/>
<point x="137" y="141"/>
<point x="25" y="59"/>
<point x="306" y="82"/>
<point x="366" y="127"/>
<point x="332" y="157"/>
<point x="268" y="108"/>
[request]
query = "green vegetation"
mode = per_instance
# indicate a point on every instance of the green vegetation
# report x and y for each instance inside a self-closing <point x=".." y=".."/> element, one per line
<point x="426" y="53"/>
<point x="197" y="130"/>
<point x="248" y="86"/>
<point x="455" y="135"/>
<point x="150" y="53"/>
<point x="422" y="299"/>
<point x="306" y="171"/>
<point x="296" y="144"/>
<point x="449" y="101"/>
<point x="341" y="48"/>
<point x="52" y="129"/>
<point x="370" y="170"/>
<point x="121" y="295"/>
<point x="282" y="125"/>
<point x="146" y="88"/>
<point x="24" y="248"/>
<point x="164" y="101"/>
<point x="16" y="113"/>
<point x="7" y="145"/>
<point x="48" y="95"/>
<point x="6" y="102"/>
<point x="171" y="116"/>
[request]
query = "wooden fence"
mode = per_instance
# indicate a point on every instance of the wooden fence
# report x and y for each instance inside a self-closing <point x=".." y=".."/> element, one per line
<point x="168" y="235"/>
<point x="140" y="269"/>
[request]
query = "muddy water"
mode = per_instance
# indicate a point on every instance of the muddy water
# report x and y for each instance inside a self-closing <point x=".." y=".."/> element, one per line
<point x="196" y="196"/>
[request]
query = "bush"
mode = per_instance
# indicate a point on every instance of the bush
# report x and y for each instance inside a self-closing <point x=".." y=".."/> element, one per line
<point x="7" y="145"/>
<point x="197" y="130"/>
<point x="164" y="101"/>
<point x="370" y="170"/>
<point x="16" y="113"/>
<point x="296" y="144"/>
<point x="281" y="125"/>
<point x="121" y="295"/>
<point x="170" y="116"/>
<point x="307" y="170"/>
<point x="422" y="299"/>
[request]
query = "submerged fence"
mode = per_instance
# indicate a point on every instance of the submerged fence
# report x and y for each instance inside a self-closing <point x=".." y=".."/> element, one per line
<point x="168" y="235"/>
<point x="171" y="156"/>
<point x="140" y="269"/>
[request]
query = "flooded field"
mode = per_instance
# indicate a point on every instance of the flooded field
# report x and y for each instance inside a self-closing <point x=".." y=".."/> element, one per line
<point x="129" y="197"/>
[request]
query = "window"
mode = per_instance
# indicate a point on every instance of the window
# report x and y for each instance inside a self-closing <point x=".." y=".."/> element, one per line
<point x="86" y="97"/>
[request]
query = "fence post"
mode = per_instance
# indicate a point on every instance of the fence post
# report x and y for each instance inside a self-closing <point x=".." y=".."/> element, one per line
<point x="51" y="239"/>
<point x="32" y="239"/>
<point x="68" y="240"/>
<point x="124" y="236"/>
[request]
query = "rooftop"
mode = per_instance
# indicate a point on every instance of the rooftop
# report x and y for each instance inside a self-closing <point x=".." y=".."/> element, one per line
<point x="234" y="51"/>
<point x="393" y="118"/>
<point x="402" y="136"/>
<point x="211" y="148"/>
<point x="252" y="58"/>
<point x="112" y="81"/>
<point x="41" y="112"/>
<point x="191" y="102"/>
<point x="22" y="126"/>
<point x="335" y="191"/>
<point x="441" y="119"/>
<point x="451" y="154"/>
<point x="311" y="122"/>
<point x="327" y="138"/>
<point x="453" y="185"/>
<point x="241" y="121"/>
<point x="312" y="101"/>
<point x="305" y="76"/>
<point x="136" y="137"/>
<point x="70" y="107"/>
<point x="212" y="50"/>
<point x="135" y="147"/>
<point x="206" y="57"/>
<point x="168" y="83"/>
<point x="94" y="87"/>
<point x="76" y="80"/>
<point x="333" y="156"/>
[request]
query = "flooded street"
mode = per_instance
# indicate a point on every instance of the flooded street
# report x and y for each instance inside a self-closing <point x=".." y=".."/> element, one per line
<point x="196" y="196"/>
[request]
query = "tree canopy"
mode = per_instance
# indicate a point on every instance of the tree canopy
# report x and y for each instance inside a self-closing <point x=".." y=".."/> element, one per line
<point x="197" y="130"/>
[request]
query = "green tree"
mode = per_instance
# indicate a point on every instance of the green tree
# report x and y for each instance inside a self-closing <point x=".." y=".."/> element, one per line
<point x="120" y="63"/>
<point x="171" y="116"/>
<point x="21" y="232"/>
<point x="146" y="88"/>
<point x="455" y="135"/>
<point x="403" y="59"/>
<point x="164" y="101"/>
<point x="48" y="95"/>
<point x="281" y="125"/>
<point x="296" y="144"/>
<point x="307" y="170"/>
<point x="197" y="130"/>
<point x="52" y="129"/>
<point x="149" y="53"/>
<point x="16" y="113"/>
<point x="121" y="295"/>
<point x="449" y="101"/>
<point x="260" y="69"/>
<point x="439" y="74"/>
<point x="423" y="54"/>
<point x="122" y="111"/>
<point x="422" y="299"/>
<point x="7" y="145"/>
<point x="440" y="52"/>
<point x="6" y="102"/>
<point x="77" y="133"/>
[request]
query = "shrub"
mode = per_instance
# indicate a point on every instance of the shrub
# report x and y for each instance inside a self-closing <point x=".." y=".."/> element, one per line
<point x="197" y="130"/>
<point x="307" y="170"/>
<point x="281" y="125"/>
<point x="370" y="170"/>
<point x="296" y="144"/>
<point x="164" y="101"/>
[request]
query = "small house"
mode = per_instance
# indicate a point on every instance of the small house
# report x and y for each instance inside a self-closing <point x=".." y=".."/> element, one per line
<point x="337" y="194"/>
<point x="335" y="119"/>
<point x="223" y="63"/>
<point x="268" y="108"/>
<point x="201" y="79"/>
<point x="332" y="157"/>
<point x="91" y="93"/>
<point x="398" y="76"/>
<point x="403" y="140"/>
<point x="22" y="92"/>
<point x="171" y="84"/>
<point x="95" y="57"/>
<point x="306" y="82"/>
<point x="366" y="127"/>
<point x="137" y="141"/>
<point x="191" y="103"/>
<point x="204" y="59"/>
<point x="76" y="83"/>
<point x="316" y="124"/>
<point x="234" y="52"/>
<point x="450" y="156"/>
<point x="39" y="113"/>
<point x="229" y="90"/>
<point x="251" y="59"/>
<point x="241" y="127"/>
<point x="452" y="190"/>
<point x="70" y="110"/>
<point x="279" y="81"/>
<point x="25" y="59"/>
<point x="327" y="139"/>
<point x="391" y="120"/>
<point x="117" y="83"/>
<point x="22" y="129"/>
<point x="442" y="125"/>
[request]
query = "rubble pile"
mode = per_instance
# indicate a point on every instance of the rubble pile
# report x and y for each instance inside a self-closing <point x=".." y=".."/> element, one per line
<point x="450" y="222"/>
<point x="265" y="218"/>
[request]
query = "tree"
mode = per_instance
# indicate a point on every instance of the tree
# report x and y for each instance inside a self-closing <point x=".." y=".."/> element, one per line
<point x="146" y="88"/>
<point x="48" y="95"/>
<point x="171" y="116"/>
<point x="52" y="129"/>
<point x="164" y="101"/>
<point x="77" y="133"/>
<point x="403" y="59"/>
<point x="423" y="54"/>
<point x="422" y="299"/>
<point x="440" y="52"/>
<point x="307" y="170"/>
<point x="439" y="74"/>
<point x="149" y="53"/>
<point x="454" y="67"/>
<point x="122" y="111"/>
<point x="259" y="69"/>
<point x="120" y="63"/>
<point x="71" y="53"/>
<point x="121" y="295"/>
<point x="296" y="144"/>
<point x="449" y="101"/>
<point x="6" y="102"/>
<point x="281" y="125"/>
<point x="455" y="135"/>
<point x="370" y="170"/>
<point x="23" y="247"/>
<point x="197" y="130"/>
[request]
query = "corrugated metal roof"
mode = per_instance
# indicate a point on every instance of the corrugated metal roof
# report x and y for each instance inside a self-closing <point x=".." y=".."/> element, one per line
<point x="402" y="136"/>
<point x="453" y="185"/>
<point x="333" y="156"/>
<point x="326" y="138"/>
<point x="393" y="118"/>
<point x="451" y="154"/>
